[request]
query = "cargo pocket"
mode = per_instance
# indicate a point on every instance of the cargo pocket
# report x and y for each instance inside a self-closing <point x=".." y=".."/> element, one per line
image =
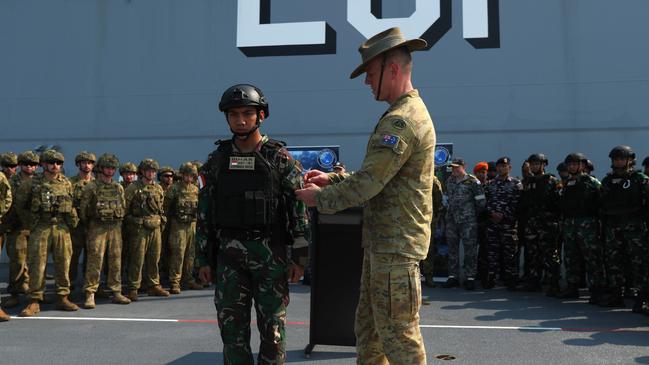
<point x="403" y="295"/>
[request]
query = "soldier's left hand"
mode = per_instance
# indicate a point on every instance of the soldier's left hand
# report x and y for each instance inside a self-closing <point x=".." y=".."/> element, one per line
<point x="308" y="194"/>
<point x="295" y="272"/>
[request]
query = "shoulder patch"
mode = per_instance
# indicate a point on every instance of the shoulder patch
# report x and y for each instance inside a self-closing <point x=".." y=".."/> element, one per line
<point x="389" y="140"/>
<point x="398" y="124"/>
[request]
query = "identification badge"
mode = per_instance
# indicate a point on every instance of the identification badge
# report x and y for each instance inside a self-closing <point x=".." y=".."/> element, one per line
<point x="242" y="163"/>
<point x="389" y="140"/>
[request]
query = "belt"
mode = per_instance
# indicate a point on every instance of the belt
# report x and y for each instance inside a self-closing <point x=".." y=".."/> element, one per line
<point x="243" y="234"/>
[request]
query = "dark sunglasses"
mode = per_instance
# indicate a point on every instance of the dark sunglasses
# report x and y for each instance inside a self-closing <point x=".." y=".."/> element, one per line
<point x="56" y="163"/>
<point x="11" y="166"/>
<point x="167" y="175"/>
<point x="30" y="164"/>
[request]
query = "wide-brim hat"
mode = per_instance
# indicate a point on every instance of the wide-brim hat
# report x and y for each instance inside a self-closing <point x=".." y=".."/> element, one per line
<point x="387" y="40"/>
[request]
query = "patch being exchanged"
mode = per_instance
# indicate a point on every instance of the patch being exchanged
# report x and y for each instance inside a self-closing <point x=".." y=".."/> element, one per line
<point x="389" y="140"/>
<point x="242" y="162"/>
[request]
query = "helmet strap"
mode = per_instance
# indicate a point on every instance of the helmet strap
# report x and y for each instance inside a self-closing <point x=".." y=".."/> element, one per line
<point x="378" y="91"/>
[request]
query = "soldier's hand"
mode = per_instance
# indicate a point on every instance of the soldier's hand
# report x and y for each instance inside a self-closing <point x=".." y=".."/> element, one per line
<point x="295" y="272"/>
<point x="317" y="177"/>
<point x="205" y="274"/>
<point x="307" y="195"/>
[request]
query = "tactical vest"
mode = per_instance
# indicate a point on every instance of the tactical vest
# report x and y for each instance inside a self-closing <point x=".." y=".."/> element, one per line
<point x="108" y="205"/>
<point x="248" y="188"/>
<point x="622" y="195"/>
<point x="51" y="197"/>
<point x="536" y="191"/>
<point x="578" y="199"/>
<point x="186" y="204"/>
<point x="147" y="201"/>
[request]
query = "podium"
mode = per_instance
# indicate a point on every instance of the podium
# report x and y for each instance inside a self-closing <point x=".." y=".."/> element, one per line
<point x="336" y="266"/>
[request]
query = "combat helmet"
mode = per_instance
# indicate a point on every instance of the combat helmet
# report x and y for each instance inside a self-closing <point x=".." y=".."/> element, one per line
<point x="575" y="157"/>
<point x="188" y="168"/>
<point x="9" y="159"/>
<point x="166" y="170"/>
<point x="52" y="156"/>
<point x="85" y="156"/>
<point x="148" y="163"/>
<point x="538" y="157"/>
<point x="108" y="160"/>
<point x="622" y="152"/>
<point x="243" y="95"/>
<point x="28" y="157"/>
<point x="128" y="167"/>
<point x="562" y="167"/>
<point x="645" y="162"/>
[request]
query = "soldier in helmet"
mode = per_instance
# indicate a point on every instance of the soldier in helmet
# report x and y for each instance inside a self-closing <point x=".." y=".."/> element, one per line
<point x="9" y="162"/>
<point x="579" y="202"/>
<point x="166" y="177"/>
<point x="102" y="210"/>
<point x="49" y="199"/>
<point x="85" y="162"/>
<point x="562" y="170"/>
<point x="625" y="201"/>
<point x="144" y="211"/>
<point x="540" y="205"/>
<point x="248" y="217"/>
<point x="128" y="172"/>
<point x="645" y="166"/>
<point x="5" y="205"/>
<point x="180" y="205"/>
<point x="589" y="167"/>
<point x="17" y="232"/>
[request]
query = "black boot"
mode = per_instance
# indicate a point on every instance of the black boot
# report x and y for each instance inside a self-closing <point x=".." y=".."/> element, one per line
<point x="451" y="282"/>
<point x="489" y="281"/>
<point x="570" y="292"/>
<point x="612" y="298"/>
<point x="594" y="295"/>
<point x="640" y="301"/>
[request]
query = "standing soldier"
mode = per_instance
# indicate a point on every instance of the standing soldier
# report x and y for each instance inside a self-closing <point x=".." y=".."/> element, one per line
<point x="466" y="199"/>
<point x="625" y="201"/>
<point x="144" y="210"/>
<point x="128" y="172"/>
<point x="180" y="204"/>
<point x="579" y="202"/>
<point x="427" y="267"/>
<point x="102" y="210"/>
<point x="248" y="217"/>
<point x="5" y="205"/>
<point x="645" y="166"/>
<point x="166" y="176"/>
<point x="18" y="233"/>
<point x="540" y="206"/>
<point x="85" y="162"/>
<point x="9" y="162"/>
<point x="503" y="194"/>
<point x="49" y="199"/>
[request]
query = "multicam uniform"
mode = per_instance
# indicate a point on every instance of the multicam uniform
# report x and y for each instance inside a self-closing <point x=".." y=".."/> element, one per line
<point x="394" y="185"/>
<point x="79" y="234"/>
<point x="17" y="237"/>
<point x="247" y="216"/>
<point x="5" y="205"/>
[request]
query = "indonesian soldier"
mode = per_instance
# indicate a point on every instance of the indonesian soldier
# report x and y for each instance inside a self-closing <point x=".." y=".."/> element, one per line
<point x="579" y="202"/>
<point x="645" y="166"/>
<point x="540" y="207"/>
<point x="144" y="211"/>
<point x="466" y="199"/>
<point x="625" y="203"/>
<point x="394" y="185"/>
<point x="85" y="162"/>
<point x="49" y="199"/>
<point x="248" y="217"/>
<point x="5" y="205"/>
<point x="18" y="233"/>
<point x="180" y="206"/>
<point x="503" y="194"/>
<point x="102" y="210"/>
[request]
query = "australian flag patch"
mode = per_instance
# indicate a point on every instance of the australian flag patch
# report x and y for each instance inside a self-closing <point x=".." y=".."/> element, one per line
<point x="390" y="140"/>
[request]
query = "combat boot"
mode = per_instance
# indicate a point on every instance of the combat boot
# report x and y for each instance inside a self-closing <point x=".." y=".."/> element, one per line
<point x="90" y="301"/>
<point x="157" y="291"/>
<point x="640" y="302"/>
<point x="31" y="310"/>
<point x="595" y="293"/>
<point x="4" y="317"/>
<point x="64" y="304"/>
<point x="11" y="301"/>
<point x="101" y="293"/>
<point x="469" y="284"/>
<point x="192" y="285"/>
<point x="118" y="298"/>
<point x="175" y="289"/>
<point x="451" y="282"/>
<point x="132" y="295"/>
<point x="489" y="281"/>
<point x="612" y="298"/>
<point x="570" y="292"/>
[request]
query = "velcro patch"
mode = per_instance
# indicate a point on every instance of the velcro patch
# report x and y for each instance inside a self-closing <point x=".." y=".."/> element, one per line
<point x="242" y="163"/>
<point x="389" y="140"/>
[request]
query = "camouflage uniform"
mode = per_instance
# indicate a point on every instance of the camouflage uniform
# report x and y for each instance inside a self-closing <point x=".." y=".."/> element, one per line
<point x="127" y="228"/>
<point x="251" y="264"/>
<point x="180" y="204"/>
<point x="5" y="205"/>
<point x="426" y="265"/>
<point x="540" y="206"/>
<point x="394" y="185"/>
<point x="502" y="239"/>
<point x="165" y="250"/>
<point x="466" y="198"/>
<point x="79" y="234"/>
<point x="579" y="204"/>
<point x="144" y="211"/>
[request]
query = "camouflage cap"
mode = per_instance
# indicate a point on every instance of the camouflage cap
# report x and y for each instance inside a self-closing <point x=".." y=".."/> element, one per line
<point x="148" y="163"/>
<point x="188" y="168"/>
<point x="85" y="156"/>
<point x="128" y="167"/>
<point x="51" y="156"/>
<point x="108" y="160"/>
<point x="28" y="157"/>
<point x="8" y="159"/>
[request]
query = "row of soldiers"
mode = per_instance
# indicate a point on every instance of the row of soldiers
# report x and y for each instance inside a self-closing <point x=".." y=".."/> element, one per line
<point x="601" y="228"/>
<point x="120" y="226"/>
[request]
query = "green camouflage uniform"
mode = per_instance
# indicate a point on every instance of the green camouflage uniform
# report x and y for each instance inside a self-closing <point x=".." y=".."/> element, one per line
<point x="5" y="197"/>
<point x="426" y="265"/>
<point x="79" y="234"/>
<point x="145" y="214"/>
<point x="394" y="185"/>
<point x="180" y="204"/>
<point x="251" y="269"/>
<point x="52" y="215"/>
<point x="17" y="237"/>
<point x="102" y="211"/>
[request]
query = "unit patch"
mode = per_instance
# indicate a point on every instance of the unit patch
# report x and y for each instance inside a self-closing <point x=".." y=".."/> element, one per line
<point x="399" y="124"/>
<point x="242" y="163"/>
<point x="389" y="140"/>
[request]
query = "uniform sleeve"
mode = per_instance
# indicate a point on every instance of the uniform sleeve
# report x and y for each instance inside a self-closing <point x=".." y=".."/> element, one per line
<point x="74" y="217"/>
<point x="22" y="201"/>
<point x="84" y="204"/>
<point x="479" y="197"/>
<point x="5" y="195"/>
<point x="388" y="149"/>
<point x="169" y="197"/>
<point x="206" y="232"/>
<point x="438" y="207"/>
<point x="128" y="198"/>
<point x="511" y="209"/>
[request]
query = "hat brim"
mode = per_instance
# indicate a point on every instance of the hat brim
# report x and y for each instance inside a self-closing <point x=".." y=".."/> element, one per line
<point x="413" y="45"/>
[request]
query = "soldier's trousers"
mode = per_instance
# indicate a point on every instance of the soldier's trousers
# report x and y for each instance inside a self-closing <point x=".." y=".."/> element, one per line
<point x="467" y="233"/>
<point x="144" y="251"/>
<point x="79" y="236"/>
<point x="387" y="316"/>
<point x="182" y="251"/>
<point x="625" y="245"/>
<point x="104" y="238"/>
<point x="581" y="244"/>
<point x="541" y="235"/>
<point x="17" y="252"/>
<point x="502" y="246"/>
<point x="247" y="271"/>
<point x="46" y="238"/>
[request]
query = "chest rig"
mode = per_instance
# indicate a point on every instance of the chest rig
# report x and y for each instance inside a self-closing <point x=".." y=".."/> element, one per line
<point x="622" y="195"/>
<point x="108" y="206"/>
